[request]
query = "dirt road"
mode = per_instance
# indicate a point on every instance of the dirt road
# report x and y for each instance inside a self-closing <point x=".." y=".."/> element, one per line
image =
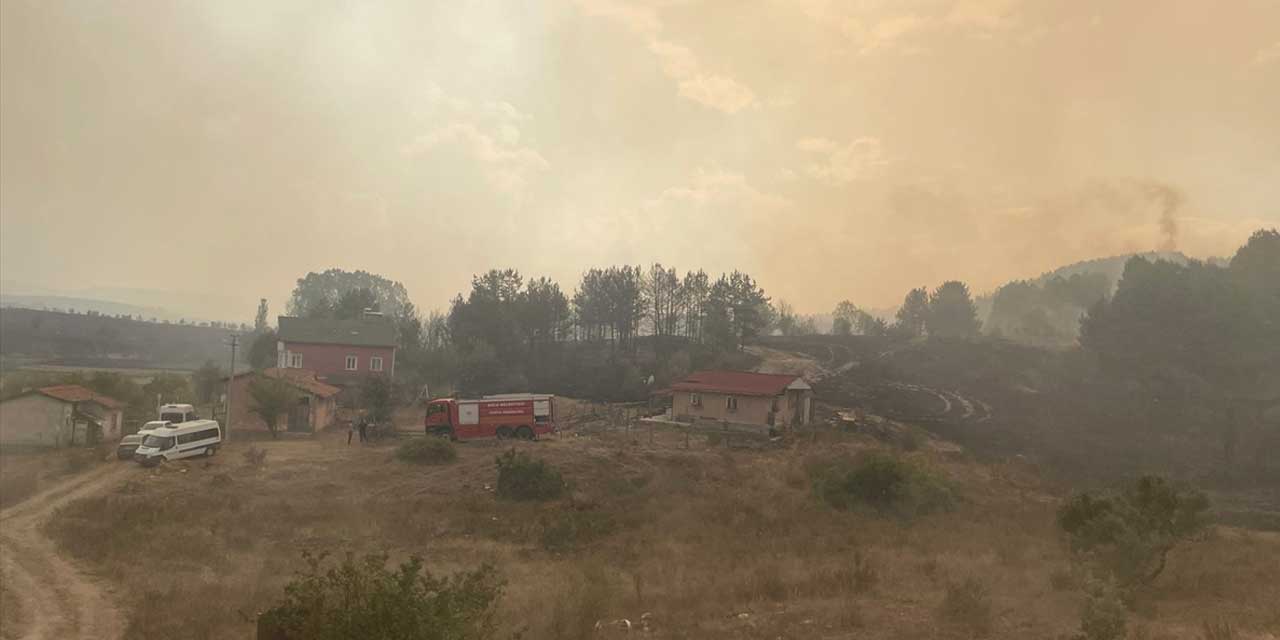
<point x="52" y="597"/>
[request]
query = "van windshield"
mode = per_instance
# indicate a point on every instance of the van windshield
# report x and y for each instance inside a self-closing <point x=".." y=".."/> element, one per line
<point x="158" y="442"/>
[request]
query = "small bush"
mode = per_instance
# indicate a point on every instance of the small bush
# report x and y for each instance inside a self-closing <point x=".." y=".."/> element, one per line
<point x="427" y="451"/>
<point x="765" y="582"/>
<point x="930" y="568"/>
<point x="255" y="457"/>
<point x="864" y="574"/>
<point x="522" y="477"/>
<point x="572" y="527"/>
<point x="910" y="440"/>
<point x="586" y="600"/>
<point x="1130" y="531"/>
<point x="967" y="604"/>
<point x="80" y="459"/>
<point x="1062" y="580"/>
<point x="366" y="599"/>
<point x="1220" y="630"/>
<point x="883" y="482"/>
<point x="1103" y="615"/>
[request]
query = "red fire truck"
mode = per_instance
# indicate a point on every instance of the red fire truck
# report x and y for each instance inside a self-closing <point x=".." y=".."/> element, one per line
<point x="511" y="415"/>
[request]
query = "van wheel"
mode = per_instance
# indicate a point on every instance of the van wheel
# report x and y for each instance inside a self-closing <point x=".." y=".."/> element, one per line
<point x="524" y="433"/>
<point x="504" y="433"/>
<point x="209" y="452"/>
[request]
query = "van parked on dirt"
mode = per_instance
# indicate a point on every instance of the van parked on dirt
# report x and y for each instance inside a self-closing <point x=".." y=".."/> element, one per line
<point x="130" y="443"/>
<point x="177" y="441"/>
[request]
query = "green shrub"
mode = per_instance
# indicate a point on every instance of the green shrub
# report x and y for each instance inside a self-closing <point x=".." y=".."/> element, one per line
<point x="366" y="599"/>
<point x="1129" y="532"/>
<point x="883" y="482"/>
<point x="522" y="477"/>
<point x="967" y="604"/>
<point x="1103" y="615"/>
<point x="427" y="451"/>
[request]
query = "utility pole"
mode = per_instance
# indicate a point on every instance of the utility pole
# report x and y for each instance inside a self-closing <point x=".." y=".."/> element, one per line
<point x="231" y="379"/>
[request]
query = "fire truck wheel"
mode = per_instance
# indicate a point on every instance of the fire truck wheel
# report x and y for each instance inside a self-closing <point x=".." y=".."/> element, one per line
<point x="504" y="433"/>
<point x="442" y="432"/>
<point x="524" y="433"/>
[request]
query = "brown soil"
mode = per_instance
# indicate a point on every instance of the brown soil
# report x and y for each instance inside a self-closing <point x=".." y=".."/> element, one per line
<point x="45" y="594"/>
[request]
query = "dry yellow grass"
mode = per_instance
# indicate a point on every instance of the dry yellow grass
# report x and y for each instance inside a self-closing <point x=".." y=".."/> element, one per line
<point x="706" y="543"/>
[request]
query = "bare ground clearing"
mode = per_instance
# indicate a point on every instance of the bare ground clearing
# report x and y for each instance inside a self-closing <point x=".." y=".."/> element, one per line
<point x="47" y="595"/>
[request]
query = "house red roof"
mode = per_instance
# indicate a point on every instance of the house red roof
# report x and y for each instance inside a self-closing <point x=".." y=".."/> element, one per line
<point x="77" y="393"/>
<point x="303" y="379"/>
<point x="741" y="383"/>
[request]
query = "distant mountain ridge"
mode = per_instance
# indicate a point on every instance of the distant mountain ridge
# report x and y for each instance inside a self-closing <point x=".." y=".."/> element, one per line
<point x="1112" y="267"/>
<point x="82" y="305"/>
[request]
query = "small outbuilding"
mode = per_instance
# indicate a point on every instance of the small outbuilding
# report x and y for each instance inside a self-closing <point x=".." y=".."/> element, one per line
<point x="743" y="397"/>
<point x="315" y="405"/>
<point x="60" y="416"/>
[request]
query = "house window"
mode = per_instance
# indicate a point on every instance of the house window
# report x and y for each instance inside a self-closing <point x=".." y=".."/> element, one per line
<point x="295" y="360"/>
<point x="352" y="363"/>
<point x="731" y="404"/>
<point x="375" y="363"/>
<point x="695" y="400"/>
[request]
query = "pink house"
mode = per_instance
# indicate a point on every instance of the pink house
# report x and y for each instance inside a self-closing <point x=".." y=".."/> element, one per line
<point x="340" y="352"/>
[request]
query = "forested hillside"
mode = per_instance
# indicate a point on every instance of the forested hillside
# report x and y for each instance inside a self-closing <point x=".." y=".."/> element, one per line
<point x="95" y="340"/>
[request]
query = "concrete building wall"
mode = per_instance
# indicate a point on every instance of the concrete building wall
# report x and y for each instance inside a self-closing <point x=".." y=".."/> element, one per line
<point x="112" y="420"/>
<point x="790" y="409"/>
<point x="715" y="406"/>
<point x="323" y="410"/>
<point x="35" y="420"/>
<point x="331" y="359"/>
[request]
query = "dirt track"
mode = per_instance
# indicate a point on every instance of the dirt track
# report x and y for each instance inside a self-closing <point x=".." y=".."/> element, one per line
<point x="53" y="598"/>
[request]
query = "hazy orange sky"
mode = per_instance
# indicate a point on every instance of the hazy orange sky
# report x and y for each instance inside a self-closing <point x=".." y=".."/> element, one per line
<point x="833" y="149"/>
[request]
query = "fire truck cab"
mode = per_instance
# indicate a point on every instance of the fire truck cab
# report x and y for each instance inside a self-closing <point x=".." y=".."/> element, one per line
<point x="511" y="415"/>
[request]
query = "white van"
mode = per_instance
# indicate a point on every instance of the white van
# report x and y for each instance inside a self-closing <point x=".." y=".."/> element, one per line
<point x="178" y="413"/>
<point x="177" y="441"/>
<point x="130" y="443"/>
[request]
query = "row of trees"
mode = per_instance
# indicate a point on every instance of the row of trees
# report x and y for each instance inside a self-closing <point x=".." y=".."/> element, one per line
<point x="948" y="312"/>
<point x="613" y="304"/>
<point x="506" y="332"/>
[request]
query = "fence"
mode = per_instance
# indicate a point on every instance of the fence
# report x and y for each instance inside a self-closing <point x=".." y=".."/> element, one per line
<point x="634" y="425"/>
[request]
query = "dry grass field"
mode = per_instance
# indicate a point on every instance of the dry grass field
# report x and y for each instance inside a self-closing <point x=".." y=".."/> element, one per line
<point x="708" y="542"/>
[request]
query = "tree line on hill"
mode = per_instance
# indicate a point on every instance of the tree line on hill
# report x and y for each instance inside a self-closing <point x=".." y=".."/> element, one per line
<point x="1196" y="346"/>
<point x="622" y="324"/>
<point x="621" y="331"/>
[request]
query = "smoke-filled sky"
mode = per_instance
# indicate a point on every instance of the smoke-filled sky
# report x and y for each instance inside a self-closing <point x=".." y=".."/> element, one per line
<point x="832" y="149"/>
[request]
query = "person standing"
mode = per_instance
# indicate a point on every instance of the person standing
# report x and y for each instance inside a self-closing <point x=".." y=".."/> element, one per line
<point x="351" y="430"/>
<point x="364" y="427"/>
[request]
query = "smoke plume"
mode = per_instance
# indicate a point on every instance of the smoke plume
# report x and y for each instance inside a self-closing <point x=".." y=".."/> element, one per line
<point x="1169" y="201"/>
